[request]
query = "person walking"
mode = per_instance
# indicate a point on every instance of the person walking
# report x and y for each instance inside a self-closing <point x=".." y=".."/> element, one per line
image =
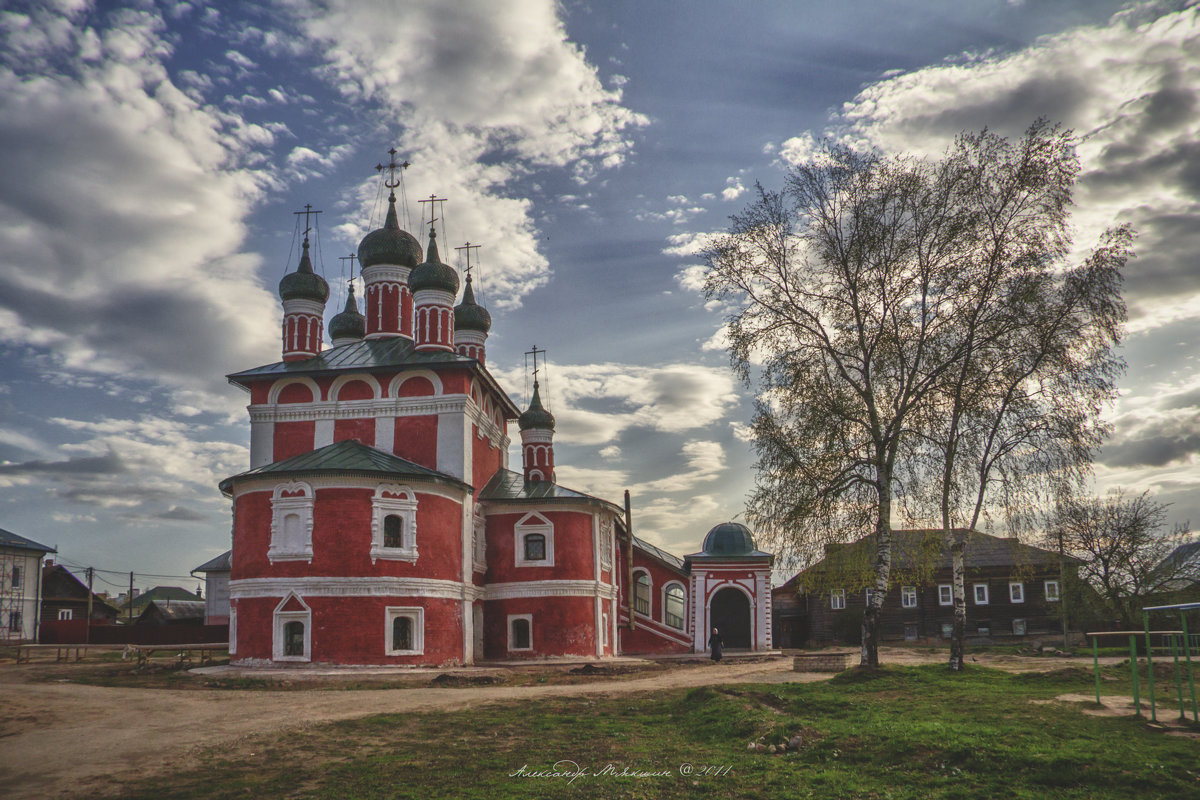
<point x="714" y="645"/>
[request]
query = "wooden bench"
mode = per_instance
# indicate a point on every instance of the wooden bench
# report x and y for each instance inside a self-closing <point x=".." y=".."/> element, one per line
<point x="145" y="651"/>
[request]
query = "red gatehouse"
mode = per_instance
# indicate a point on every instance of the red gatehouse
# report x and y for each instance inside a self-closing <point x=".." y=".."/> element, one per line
<point x="379" y="522"/>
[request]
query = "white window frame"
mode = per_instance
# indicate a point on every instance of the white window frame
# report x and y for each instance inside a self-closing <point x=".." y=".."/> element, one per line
<point x="649" y="612"/>
<point x="1052" y="596"/>
<point x="417" y="615"/>
<point x="1024" y="627"/>
<point x="945" y="594"/>
<point x="513" y="618"/>
<point x="392" y="499"/>
<point x="867" y="595"/>
<point x="281" y="620"/>
<point x="1016" y="592"/>
<point x="908" y="597"/>
<point x="533" y="522"/>
<point x="837" y="600"/>
<point x="603" y="629"/>
<point x="975" y="587"/>
<point x="65" y="614"/>
<point x="479" y="544"/>
<point x="683" y="614"/>
<point x="606" y="540"/>
<point x="300" y="503"/>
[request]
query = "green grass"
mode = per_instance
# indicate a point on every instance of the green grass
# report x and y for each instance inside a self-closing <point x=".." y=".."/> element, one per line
<point x="915" y="732"/>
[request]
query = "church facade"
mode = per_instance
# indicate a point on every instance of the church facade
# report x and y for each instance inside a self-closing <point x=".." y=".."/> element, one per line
<point x="379" y="522"/>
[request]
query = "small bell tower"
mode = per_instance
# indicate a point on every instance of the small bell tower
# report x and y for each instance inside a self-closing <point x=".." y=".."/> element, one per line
<point x="537" y="433"/>
<point x="304" y="294"/>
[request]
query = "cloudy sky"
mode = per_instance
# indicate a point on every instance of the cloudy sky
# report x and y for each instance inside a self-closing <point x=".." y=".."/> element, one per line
<point x="153" y="155"/>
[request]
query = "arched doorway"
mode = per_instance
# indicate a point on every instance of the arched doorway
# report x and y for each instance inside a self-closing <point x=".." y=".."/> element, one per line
<point x="730" y="614"/>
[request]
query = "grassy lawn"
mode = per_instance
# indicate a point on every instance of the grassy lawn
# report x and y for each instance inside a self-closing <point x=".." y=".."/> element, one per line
<point x="904" y="732"/>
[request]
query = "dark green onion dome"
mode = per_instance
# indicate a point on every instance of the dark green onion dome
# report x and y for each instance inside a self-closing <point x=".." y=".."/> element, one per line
<point x="469" y="315"/>
<point x="729" y="539"/>
<point x="349" y="324"/>
<point x="536" y="416"/>
<point x="304" y="284"/>
<point x="433" y="274"/>
<point x="389" y="244"/>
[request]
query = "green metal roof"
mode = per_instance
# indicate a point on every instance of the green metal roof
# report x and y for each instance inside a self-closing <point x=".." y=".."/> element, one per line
<point x="662" y="555"/>
<point x="511" y="487"/>
<point x="10" y="539"/>
<point x="369" y="355"/>
<point x="348" y="456"/>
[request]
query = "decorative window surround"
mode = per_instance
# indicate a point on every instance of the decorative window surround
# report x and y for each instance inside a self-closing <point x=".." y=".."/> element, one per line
<point x="1016" y="592"/>
<point x="604" y="629"/>
<point x="1052" y="595"/>
<point x="908" y="597"/>
<point x="291" y="522"/>
<point x="512" y="637"/>
<point x="416" y="617"/>
<point x="837" y="599"/>
<point x="478" y="545"/>
<point x="945" y="594"/>
<point x="533" y="522"/>
<point x="282" y="618"/>
<point x="606" y="544"/>
<point x="981" y="594"/>
<point x="394" y="500"/>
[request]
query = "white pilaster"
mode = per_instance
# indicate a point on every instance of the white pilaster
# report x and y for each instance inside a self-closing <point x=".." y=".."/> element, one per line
<point x="262" y="443"/>
<point x="385" y="434"/>
<point x="322" y="433"/>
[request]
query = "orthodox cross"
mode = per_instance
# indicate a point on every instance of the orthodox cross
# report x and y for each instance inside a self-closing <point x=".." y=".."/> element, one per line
<point x="392" y="181"/>
<point x="350" y="258"/>
<point x="433" y="198"/>
<point x="307" y="212"/>
<point x="534" y="352"/>
<point x="468" y="247"/>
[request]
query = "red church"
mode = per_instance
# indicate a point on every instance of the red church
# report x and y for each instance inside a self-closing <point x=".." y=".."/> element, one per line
<point x="379" y="522"/>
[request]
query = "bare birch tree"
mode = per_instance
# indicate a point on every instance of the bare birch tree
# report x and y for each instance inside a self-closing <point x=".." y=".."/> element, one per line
<point x="871" y="297"/>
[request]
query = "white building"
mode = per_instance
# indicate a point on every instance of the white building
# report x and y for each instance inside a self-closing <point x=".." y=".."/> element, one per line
<point x="20" y="586"/>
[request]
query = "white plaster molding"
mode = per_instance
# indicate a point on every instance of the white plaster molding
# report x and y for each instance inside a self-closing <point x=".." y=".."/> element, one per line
<point x="354" y="587"/>
<point x="554" y="588"/>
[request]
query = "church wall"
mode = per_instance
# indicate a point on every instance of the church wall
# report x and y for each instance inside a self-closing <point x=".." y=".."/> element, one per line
<point x="485" y="461"/>
<point x="572" y="547"/>
<point x="416" y="439"/>
<point x="362" y="430"/>
<point x="342" y="538"/>
<point x="293" y="438"/>
<point x="353" y="630"/>
<point x="561" y="626"/>
<point x="645" y="640"/>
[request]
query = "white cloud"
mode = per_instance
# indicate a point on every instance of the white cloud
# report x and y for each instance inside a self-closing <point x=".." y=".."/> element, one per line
<point x="1130" y="88"/>
<point x="733" y="189"/>
<point x="704" y="461"/>
<point x="487" y="78"/>
<point x="129" y="198"/>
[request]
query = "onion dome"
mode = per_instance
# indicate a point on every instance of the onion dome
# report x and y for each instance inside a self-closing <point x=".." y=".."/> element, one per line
<point x="729" y="539"/>
<point x="304" y="284"/>
<point x="433" y="274"/>
<point x="536" y="416"/>
<point x="349" y="324"/>
<point x="389" y="244"/>
<point x="469" y="315"/>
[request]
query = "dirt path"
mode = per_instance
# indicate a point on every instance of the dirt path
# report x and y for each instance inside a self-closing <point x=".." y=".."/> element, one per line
<point x="72" y="740"/>
<point x="62" y="739"/>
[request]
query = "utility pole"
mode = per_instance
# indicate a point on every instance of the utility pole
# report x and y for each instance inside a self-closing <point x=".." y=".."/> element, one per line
<point x="130" y="598"/>
<point x="91" y="571"/>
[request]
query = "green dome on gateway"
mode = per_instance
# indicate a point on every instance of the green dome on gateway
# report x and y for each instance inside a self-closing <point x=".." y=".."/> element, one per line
<point x="389" y="244"/>
<point x="349" y="324"/>
<point x="729" y="539"/>
<point x="536" y="416"/>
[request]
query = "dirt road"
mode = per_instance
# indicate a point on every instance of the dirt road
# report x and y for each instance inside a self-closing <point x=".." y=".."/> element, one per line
<point x="60" y="740"/>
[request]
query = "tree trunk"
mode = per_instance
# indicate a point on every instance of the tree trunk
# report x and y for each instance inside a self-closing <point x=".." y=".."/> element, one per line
<point x="958" y="549"/>
<point x="883" y="568"/>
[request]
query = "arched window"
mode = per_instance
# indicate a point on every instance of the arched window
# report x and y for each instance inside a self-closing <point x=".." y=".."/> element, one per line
<point x="393" y="532"/>
<point x="293" y="638"/>
<point x="402" y="633"/>
<point x="641" y="593"/>
<point x="535" y="547"/>
<point x="673" y="612"/>
<point x="291" y="523"/>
